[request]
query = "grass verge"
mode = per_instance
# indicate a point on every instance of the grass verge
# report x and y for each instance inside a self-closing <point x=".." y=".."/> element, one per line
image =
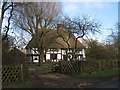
<point x="26" y="84"/>
<point x="98" y="74"/>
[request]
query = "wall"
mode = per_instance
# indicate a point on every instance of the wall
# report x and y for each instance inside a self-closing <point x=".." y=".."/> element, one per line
<point x="35" y="59"/>
<point x="34" y="52"/>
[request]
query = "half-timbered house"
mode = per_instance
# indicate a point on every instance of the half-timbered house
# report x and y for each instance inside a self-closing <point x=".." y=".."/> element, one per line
<point x="61" y="47"/>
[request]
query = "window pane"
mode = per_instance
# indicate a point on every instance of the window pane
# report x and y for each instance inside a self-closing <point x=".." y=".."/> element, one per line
<point x="53" y="56"/>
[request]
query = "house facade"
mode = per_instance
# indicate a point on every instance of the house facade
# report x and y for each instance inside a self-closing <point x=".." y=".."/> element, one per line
<point x="54" y="54"/>
<point x="58" y="49"/>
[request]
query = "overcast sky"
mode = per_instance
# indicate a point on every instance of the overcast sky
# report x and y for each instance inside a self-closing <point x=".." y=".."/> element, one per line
<point x="104" y="12"/>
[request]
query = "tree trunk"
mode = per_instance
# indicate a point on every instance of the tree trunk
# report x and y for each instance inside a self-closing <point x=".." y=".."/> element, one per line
<point x="41" y="58"/>
<point x="74" y="50"/>
<point x="1" y="26"/>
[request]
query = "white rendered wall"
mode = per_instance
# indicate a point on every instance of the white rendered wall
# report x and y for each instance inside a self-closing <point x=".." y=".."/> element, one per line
<point x="35" y="52"/>
<point x="63" y="51"/>
<point x="35" y="57"/>
<point x="28" y="51"/>
<point x="47" y="56"/>
<point x="83" y="53"/>
<point x="32" y="51"/>
<point x="58" y="56"/>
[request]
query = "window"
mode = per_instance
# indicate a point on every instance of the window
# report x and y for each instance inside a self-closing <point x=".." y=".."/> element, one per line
<point x="53" y="56"/>
<point x="81" y="55"/>
<point x="65" y="57"/>
<point x="35" y="59"/>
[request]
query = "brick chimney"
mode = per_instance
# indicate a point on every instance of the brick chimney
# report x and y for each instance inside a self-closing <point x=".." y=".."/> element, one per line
<point x="60" y="26"/>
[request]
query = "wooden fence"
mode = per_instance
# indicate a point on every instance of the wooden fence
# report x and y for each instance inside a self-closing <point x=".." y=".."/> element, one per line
<point x="67" y="66"/>
<point x="12" y="73"/>
<point x="88" y="66"/>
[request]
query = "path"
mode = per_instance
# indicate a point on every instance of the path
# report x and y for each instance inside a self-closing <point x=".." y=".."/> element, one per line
<point x="56" y="80"/>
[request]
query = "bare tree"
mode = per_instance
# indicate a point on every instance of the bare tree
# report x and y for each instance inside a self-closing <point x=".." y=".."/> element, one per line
<point x="37" y="19"/>
<point x="119" y="41"/>
<point x="81" y="27"/>
<point x="6" y="7"/>
<point x="66" y="35"/>
<point x="114" y="39"/>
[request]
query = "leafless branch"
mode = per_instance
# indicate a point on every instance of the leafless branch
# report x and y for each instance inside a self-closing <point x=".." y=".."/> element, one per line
<point x="8" y="27"/>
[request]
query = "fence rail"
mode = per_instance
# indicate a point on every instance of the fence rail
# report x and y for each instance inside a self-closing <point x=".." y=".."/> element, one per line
<point x="12" y="73"/>
<point x="88" y="66"/>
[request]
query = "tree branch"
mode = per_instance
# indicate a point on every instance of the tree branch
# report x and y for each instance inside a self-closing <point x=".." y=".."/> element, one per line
<point x="8" y="27"/>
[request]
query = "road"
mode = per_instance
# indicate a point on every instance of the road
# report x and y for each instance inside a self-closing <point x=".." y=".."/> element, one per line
<point x="56" y="80"/>
<point x="112" y="84"/>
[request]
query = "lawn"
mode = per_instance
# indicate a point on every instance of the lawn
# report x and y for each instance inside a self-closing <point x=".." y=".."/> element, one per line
<point x="101" y="74"/>
<point x="46" y="66"/>
<point x="112" y="72"/>
<point x="25" y="84"/>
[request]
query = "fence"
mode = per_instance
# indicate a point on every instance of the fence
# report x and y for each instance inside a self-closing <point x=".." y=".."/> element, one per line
<point x="88" y="66"/>
<point x="12" y="73"/>
<point x="67" y="66"/>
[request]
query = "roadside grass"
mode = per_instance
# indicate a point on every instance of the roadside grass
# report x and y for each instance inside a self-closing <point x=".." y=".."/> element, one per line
<point x="47" y="66"/>
<point x="111" y="72"/>
<point x="26" y="84"/>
